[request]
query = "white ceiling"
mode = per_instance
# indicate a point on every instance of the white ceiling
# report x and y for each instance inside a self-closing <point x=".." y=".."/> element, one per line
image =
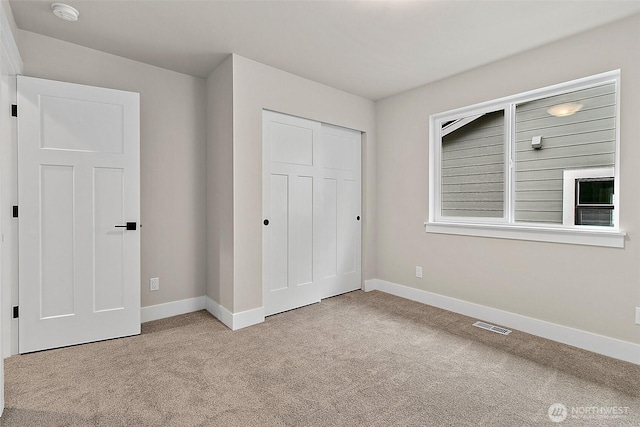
<point x="370" y="48"/>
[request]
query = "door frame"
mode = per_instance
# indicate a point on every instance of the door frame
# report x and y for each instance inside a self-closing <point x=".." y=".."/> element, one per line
<point x="10" y="66"/>
<point x="9" y="225"/>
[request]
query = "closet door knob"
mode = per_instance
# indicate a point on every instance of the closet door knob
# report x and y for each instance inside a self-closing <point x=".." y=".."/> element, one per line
<point x="265" y="222"/>
<point x="358" y="218"/>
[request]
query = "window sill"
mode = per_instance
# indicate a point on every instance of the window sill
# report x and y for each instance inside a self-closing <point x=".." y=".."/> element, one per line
<point x="590" y="237"/>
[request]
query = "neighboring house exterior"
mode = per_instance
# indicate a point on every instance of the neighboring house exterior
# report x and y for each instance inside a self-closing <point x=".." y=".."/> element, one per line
<point x="473" y="155"/>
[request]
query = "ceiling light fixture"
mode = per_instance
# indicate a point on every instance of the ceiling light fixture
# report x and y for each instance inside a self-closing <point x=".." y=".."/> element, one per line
<point x="66" y="12"/>
<point x="564" y="110"/>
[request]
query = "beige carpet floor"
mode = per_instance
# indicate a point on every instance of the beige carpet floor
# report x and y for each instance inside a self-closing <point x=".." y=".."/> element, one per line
<point x="360" y="359"/>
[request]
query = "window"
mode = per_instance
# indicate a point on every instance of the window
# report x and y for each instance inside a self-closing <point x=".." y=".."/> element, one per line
<point x="594" y="204"/>
<point x="543" y="161"/>
<point x="588" y="197"/>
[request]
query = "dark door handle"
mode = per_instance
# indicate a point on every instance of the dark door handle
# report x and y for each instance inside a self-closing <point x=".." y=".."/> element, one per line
<point x="358" y="218"/>
<point x="129" y="226"/>
<point x="265" y="222"/>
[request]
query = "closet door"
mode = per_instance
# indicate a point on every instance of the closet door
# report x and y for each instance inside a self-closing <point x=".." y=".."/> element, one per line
<point x="311" y="211"/>
<point x="291" y="212"/>
<point x="341" y="192"/>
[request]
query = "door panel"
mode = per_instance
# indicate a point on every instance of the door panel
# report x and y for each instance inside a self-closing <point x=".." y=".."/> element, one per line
<point x="108" y="241"/>
<point x="291" y="143"/>
<point x="330" y="218"/>
<point x="347" y="253"/>
<point x="303" y="231"/>
<point x="278" y="249"/>
<point x="78" y="178"/>
<point x="80" y="125"/>
<point x="339" y="151"/>
<point x="56" y="275"/>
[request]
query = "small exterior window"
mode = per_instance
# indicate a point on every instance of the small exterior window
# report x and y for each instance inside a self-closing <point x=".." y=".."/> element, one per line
<point x="594" y="202"/>
<point x="589" y="197"/>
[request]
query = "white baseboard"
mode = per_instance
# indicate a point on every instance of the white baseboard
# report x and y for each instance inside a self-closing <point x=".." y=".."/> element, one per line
<point x="219" y="312"/>
<point x="174" y="308"/>
<point x="234" y="321"/>
<point x="248" y="318"/>
<point x="601" y="344"/>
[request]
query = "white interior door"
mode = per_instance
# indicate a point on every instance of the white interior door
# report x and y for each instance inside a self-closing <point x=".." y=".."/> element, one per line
<point x="311" y="206"/>
<point x="291" y="205"/>
<point x="78" y="183"/>
<point x="340" y="221"/>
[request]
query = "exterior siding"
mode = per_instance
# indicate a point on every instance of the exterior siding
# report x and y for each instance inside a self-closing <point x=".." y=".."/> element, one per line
<point x="473" y="159"/>
<point x="582" y="140"/>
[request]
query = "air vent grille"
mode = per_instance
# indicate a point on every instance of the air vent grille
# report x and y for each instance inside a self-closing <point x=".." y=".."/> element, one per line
<point x="492" y="328"/>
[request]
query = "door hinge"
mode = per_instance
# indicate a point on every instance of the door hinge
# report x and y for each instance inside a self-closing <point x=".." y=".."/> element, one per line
<point x="14" y="110"/>
<point x="15" y="312"/>
<point x="15" y="211"/>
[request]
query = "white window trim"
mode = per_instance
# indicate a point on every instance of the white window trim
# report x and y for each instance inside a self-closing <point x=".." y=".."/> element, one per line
<point x="506" y="228"/>
<point x="589" y="236"/>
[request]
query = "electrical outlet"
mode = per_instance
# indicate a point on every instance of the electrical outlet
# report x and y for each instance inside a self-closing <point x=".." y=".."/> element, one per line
<point x="637" y="315"/>
<point x="419" y="272"/>
<point x="154" y="284"/>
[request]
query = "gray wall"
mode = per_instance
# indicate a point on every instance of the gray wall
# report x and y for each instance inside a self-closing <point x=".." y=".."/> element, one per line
<point x="9" y="14"/>
<point x="173" y="156"/>
<point x="583" y="140"/>
<point x="257" y="87"/>
<point x="220" y="185"/>
<point x="594" y="289"/>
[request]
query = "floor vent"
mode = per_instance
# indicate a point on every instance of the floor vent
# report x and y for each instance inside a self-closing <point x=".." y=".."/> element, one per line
<point x="492" y="328"/>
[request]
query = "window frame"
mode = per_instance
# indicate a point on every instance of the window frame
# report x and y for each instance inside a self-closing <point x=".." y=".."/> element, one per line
<point x="507" y="227"/>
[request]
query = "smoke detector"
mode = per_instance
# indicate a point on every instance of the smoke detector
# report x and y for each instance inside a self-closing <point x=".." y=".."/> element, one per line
<point x="66" y="12"/>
